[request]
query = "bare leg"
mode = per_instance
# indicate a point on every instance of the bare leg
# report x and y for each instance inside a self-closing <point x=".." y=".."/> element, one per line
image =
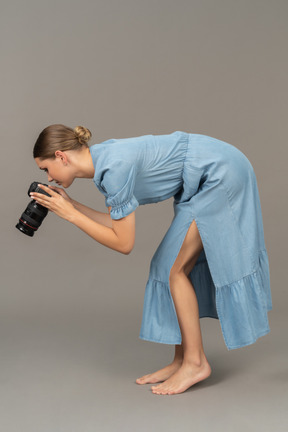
<point x="166" y="372"/>
<point x="195" y="366"/>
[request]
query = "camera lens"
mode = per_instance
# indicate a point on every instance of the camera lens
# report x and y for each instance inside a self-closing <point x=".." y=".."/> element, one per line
<point x="34" y="213"/>
<point x="23" y="227"/>
<point x="31" y="218"/>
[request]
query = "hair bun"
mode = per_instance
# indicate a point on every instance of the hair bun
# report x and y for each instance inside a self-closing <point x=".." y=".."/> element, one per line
<point x="83" y="134"/>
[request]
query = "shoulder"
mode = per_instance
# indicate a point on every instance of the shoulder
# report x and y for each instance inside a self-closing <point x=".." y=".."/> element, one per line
<point x="111" y="174"/>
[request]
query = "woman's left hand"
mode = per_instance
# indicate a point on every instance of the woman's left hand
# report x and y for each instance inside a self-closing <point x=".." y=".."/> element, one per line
<point x="56" y="203"/>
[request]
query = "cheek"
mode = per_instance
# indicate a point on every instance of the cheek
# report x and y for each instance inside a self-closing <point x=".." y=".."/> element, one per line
<point x="69" y="176"/>
<point x="60" y="174"/>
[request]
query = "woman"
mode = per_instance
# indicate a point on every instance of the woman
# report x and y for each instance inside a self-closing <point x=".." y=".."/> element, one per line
<point x="212" y="262"/>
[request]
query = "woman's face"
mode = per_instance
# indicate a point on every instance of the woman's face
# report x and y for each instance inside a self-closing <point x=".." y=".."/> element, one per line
<point x="58" y="170"/>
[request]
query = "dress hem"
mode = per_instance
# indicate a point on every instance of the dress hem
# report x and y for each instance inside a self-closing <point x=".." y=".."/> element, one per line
<point x="230" y="347"/>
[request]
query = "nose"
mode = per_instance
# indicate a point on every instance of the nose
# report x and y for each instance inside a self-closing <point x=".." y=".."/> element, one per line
<point x="49" y="178"/>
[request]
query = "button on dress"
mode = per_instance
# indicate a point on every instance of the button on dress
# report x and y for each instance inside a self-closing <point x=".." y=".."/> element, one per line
<point x="213" y="183"/>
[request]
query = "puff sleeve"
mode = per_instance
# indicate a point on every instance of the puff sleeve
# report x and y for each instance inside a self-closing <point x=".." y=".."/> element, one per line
<point x="117" y="184"/>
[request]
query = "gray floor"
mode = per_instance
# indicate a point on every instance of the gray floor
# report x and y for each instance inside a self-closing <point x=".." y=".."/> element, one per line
<point x="59" y="373"/>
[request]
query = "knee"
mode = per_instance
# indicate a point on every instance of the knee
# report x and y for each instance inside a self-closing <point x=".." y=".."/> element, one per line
<point x="175" y="275"/>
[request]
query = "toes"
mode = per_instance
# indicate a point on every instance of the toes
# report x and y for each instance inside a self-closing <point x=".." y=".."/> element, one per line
<point x="164" y="391"/>
<point x="157" y="391"/>
<point x="148" y="379"/>
<point x="160" y="389"/>
<point x="143" y="380"/>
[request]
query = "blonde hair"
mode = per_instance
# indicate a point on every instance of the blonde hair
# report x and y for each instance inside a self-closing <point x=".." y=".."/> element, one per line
<point x="60" y="137"/>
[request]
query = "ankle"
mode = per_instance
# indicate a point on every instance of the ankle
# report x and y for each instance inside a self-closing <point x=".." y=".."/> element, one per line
<point x="195" y="359"/>
<point x="178" y="361"/>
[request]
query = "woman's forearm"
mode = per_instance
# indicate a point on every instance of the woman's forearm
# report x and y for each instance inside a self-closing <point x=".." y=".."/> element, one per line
<point x="101" y="218"/>
<point x="119" y="236"/>
<point x="99" y="232"/>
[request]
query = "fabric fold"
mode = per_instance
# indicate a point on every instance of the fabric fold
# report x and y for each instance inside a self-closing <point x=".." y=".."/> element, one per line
<point x="123" y="209"/>
<point x="241" y="306"/>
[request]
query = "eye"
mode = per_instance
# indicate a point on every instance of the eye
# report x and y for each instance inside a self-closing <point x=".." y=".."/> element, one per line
<point x="44" y="169"/>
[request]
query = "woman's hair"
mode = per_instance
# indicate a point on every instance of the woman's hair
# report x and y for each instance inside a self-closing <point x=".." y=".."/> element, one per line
<point x="60" y="137"/>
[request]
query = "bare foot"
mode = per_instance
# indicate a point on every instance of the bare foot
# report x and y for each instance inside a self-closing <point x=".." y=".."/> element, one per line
<point x="186" y="376"/>
<point x="160" y="375"/>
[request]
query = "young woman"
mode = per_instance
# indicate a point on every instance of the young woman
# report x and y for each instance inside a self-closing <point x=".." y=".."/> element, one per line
<point x="212" y="262"/>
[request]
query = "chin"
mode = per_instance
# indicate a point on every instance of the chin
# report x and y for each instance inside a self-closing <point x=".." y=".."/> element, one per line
<point x="67" y="184"/>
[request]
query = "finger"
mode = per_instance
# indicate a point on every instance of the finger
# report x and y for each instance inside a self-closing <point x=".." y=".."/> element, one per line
<point x="41" y="199"/>
<point x="47" y="189"/>
<point x="39" y="196"/>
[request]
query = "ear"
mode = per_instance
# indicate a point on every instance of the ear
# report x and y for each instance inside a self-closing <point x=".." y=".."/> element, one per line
<point x="61" y="155"/>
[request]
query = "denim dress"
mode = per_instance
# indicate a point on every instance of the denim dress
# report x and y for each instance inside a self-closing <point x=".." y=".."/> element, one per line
<point x="213" y="183"/>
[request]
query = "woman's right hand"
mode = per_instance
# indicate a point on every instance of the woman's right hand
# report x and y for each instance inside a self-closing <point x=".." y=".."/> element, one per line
<point x="62" y="193"/>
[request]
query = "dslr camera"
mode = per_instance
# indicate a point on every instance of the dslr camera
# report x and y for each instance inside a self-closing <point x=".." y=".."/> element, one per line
<point x="33" y="215"/>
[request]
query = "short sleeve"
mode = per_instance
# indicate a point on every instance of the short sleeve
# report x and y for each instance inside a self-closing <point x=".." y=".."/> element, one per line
<point x="117" y="184"/>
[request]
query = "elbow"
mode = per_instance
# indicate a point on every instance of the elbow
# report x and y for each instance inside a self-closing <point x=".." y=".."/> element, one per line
<point x="127" y="249"/>
<point x="124" y="252"/>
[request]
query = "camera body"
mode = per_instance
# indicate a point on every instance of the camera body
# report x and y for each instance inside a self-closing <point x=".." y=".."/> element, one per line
<point x="33" y="215"/>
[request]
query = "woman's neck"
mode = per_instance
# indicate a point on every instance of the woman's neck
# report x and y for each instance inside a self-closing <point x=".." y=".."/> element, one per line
<point x="82" y="162"/>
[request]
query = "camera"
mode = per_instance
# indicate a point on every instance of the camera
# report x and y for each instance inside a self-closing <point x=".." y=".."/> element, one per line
<point x="33" y="215"/>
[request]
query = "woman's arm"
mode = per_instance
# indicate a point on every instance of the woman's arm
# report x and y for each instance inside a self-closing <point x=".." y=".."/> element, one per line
<point x="120" y="237"/>
<point x="100" y="217"/>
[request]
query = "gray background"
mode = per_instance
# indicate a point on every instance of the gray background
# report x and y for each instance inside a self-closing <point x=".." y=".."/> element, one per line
<point x="70" y="309"/>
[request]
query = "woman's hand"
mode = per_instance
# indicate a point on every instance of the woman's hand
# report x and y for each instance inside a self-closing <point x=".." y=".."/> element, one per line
<point x="59" y="203"/>
<point x="62" y="193"/>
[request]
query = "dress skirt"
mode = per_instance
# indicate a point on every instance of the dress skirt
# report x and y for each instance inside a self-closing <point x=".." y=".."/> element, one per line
<point x="231" y="276"/>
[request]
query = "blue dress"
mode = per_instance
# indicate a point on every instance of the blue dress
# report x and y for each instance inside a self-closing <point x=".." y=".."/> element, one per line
<point x="213" y="183"/>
